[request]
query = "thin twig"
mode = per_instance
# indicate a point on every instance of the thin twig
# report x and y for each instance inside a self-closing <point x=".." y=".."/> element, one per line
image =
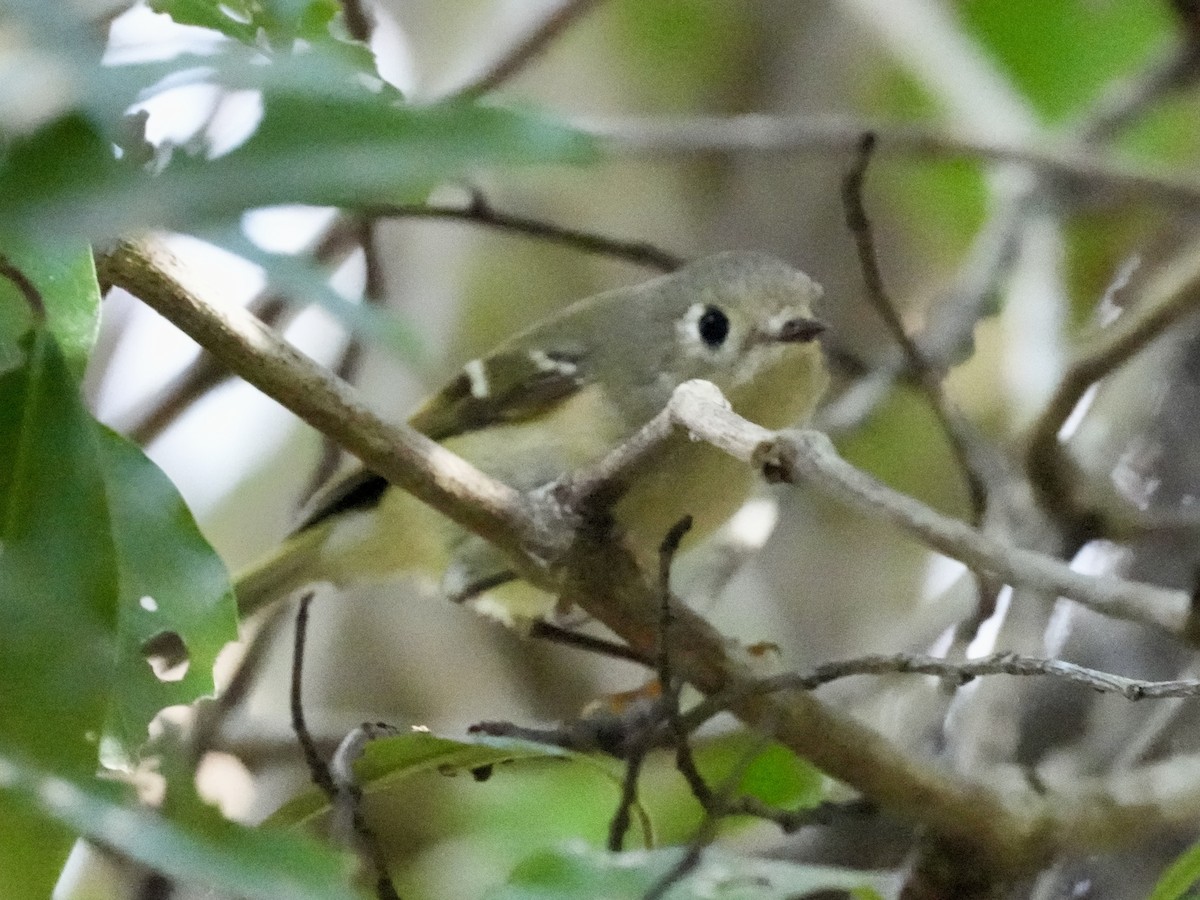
<point x="527" y="50"/>
<point x="1171" y="295"/>
<point x="666" y="556"/>
<point x="211" y="718"/>
<point x="810" y="455"/>
<point x="929" y="380"/>
<point x="950" y="328"/>
<point x="1101" y="178"/>
<point x="28" y="289"/>
<point x="715" y="810"/>
<point x="547" y="631"/>
<point x="479" y="211"/>
<point x="317" y="769"/>
<point x="347" y="801"/>
<point x="320" y="772"/>
<point x="629" y="794"/>
<point x="352" y="354"/>
<point x="995" y="664"/>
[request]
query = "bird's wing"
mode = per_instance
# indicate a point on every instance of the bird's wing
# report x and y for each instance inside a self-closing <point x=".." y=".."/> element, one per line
<point x="511" y="385"/>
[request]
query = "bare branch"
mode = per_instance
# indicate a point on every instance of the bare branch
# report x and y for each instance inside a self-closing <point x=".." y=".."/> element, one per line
<point x="995" y="664"/>
<point x="317" y="768"/>
<point x="339" y="795"/>
<point x="918" y="365"/>
<point x="407" y="458"/>
<point x="1095" y="174"/>
<point x="479" y="211"/>
<point x="526" y="51"/>
<point x="590" y="569"/>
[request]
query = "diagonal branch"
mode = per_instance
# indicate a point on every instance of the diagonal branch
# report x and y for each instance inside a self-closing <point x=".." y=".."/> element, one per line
<point x="1003" y="834"/>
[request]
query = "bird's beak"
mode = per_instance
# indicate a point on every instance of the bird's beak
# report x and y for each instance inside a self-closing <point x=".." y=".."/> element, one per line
<point x="798" y="330"/>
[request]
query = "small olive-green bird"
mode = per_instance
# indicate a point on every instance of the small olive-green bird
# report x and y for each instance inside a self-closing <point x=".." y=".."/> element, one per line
<point x="557" y="398"/>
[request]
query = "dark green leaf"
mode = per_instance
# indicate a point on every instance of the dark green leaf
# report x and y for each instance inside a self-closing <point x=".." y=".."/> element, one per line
<point x="58" y="569"/>
<point x="58" y="584"/>
<point x="65" y="279"/>
<point x="172" y="585"/>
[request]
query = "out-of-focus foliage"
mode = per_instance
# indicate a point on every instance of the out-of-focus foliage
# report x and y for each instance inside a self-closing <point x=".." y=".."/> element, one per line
<point x="114" y="605"/>
<point x="579" y="872"/>
<point x="103" y="570"/>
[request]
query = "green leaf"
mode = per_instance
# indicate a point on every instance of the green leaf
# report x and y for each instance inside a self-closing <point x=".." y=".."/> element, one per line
<point x="281" y="21"/>
<point x="1052" y="64"/>
<point x="301" y="279"/>
<point x="324" y="139"/>
<point x="387" y="761"/>
<point x="206" y="850"/>
<point x="58" y="569"/>
<point x="172" y="583"/>
<point x="233" y="18"/>
<point x="1180" y="877"/>
<point x="776" y="775"/>
<point x="579" y="871"/>
<point x="336" y="151"/>
<point x="65" y="278"/>
<point x="58" y="584"/>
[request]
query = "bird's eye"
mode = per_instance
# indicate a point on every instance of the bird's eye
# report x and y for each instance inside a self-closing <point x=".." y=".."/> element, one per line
<point x="713" y="326"/>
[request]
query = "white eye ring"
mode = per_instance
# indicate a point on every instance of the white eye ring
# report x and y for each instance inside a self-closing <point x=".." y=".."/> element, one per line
<point x="705" y="327"/>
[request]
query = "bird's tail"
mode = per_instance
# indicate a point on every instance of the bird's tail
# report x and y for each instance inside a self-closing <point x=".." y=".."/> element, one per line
<point x="292" y="566"/>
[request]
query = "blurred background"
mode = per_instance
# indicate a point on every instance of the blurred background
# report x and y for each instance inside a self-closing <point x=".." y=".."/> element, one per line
<point x="1000" y="269"/>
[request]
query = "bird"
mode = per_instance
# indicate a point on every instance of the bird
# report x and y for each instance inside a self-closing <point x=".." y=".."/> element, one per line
<point x="558" y="397"/>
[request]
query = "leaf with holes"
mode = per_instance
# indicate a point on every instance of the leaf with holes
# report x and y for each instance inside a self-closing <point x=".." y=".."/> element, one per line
<point x="176" y="604"/>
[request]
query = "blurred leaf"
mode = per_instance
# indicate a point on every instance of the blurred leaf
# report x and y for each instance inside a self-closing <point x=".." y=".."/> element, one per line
<point x="58" y="581"/>
<point x="233" y="18"/>
<point x="302" y="280"/>
<point x="1075" y="49"/>
<point x="682" y="52"/>
<point x="329" y="150"/>
<point x="58" y="568"/>
<point x="206" y="850"/>
<point x="775" y="775"/>
<point x="48" y="54"/>
<point x="927" y="470"/>
<point x="583" y="872"/>
<point x="947" y="200"/>
<point x="281" y="21"/>
<point x="172" y="583"/>
<point x="65" y="278"/>
<point x="387" y="761"/>
<point x="1180" y="877"/>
